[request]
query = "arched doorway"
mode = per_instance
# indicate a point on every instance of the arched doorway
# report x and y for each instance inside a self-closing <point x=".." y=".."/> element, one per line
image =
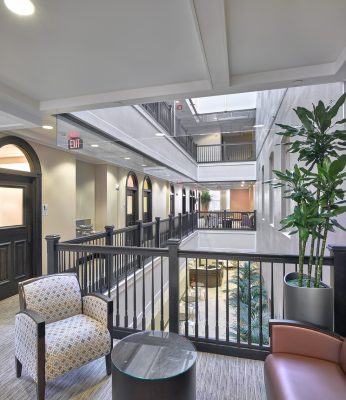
<point x="147" y="200"/>
<point x="131" y="199"/>
<point x="20" y="214"/>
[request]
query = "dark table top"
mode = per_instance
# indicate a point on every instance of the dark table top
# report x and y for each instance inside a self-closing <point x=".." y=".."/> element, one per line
<point x="154" y="355"/>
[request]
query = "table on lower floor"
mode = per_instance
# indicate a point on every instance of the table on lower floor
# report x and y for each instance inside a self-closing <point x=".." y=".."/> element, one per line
<point x="154" y="365"/>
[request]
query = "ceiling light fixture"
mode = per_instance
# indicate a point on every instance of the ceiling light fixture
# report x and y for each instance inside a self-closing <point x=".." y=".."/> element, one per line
<point x="258" y="126"/>
<point x="144" y="165"/>
<point x="127" y="158"/>
<point x="20" y="7"/>
<point x="159" y="134"/>
<point x="94" y="145"/>
<point x="48" y="127"/>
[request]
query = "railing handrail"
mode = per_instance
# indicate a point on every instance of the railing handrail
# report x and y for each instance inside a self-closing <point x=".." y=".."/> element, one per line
<point x="225" y="144"/>
<point x="113" y="250"/>
<point x="255" y="257"/>
<point x="87" y="238"/>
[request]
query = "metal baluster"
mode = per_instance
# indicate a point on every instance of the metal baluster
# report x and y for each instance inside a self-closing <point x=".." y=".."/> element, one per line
<point x="141" y="263"/>
<point x="261" y="310"/>
<point x="249" y="307"/>
<point x="161" y="293"/>
<point x="238" y="303"/>
<point x="272" y="291"/>
<point x="134" y="319"/>
<point x="227" y="304"/>
<point x="206" y="301"/>
<point x="217" y="302"/>
<point x="196" y="301"/>
<point x="152" y="295"/>
<point x="186" y="300"/>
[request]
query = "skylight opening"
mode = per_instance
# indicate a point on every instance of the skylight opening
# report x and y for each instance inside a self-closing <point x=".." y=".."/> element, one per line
<point x="216" y="104"/>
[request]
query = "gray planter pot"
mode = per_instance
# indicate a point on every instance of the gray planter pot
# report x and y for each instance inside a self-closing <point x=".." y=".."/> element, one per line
<point x="312" y="305"/>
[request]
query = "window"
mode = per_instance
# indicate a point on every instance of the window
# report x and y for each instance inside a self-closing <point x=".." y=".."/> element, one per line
<point x="131" y="199"/>
<point x="271" y="189"/>
<point x="11" y="157"/>
<point x="285" y="164"/>
<point x="147" y="200"/>
<point x="183" y="200"/>
<point x="172" y="200"/>
<point x="11" y="206"/>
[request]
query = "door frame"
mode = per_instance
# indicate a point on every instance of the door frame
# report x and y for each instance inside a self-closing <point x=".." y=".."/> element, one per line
<point x="36" y="175"/>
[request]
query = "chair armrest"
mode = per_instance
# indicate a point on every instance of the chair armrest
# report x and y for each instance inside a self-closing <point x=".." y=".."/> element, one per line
<point x="30" y="341"/>
<point x="99" y="307"/>
<point x="294" y="337"/>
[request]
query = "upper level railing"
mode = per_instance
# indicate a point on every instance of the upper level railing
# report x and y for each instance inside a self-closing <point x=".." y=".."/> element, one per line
<point x="226" y="152"/>
<point x="229" y="220"/>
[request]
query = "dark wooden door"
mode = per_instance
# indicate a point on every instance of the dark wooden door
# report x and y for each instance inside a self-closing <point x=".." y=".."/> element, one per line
<point x="16" y="232"/>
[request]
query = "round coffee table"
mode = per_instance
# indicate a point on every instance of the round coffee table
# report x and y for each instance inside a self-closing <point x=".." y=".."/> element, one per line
<point x="154" y="365"/>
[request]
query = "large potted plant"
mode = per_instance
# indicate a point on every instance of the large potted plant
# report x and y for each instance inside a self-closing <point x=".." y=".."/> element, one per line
<point x="315" y="187"/>
<point x="205" y="200"/>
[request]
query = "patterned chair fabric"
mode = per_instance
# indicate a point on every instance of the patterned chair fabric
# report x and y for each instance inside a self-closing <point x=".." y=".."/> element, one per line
<point x="73" y="342"/>
<point x="54" y="297"/>
<point x="74" y="330"/>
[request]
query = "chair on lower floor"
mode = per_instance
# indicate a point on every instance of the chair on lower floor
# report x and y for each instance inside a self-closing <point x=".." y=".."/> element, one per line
<point x="58" y="329"/>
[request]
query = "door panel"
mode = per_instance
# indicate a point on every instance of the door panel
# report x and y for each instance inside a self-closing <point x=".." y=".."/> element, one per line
<point x="16" y="214"/>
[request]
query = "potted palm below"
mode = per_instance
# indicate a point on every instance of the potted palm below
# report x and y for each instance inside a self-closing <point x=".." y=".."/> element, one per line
<point x="205" y="200"/>
<point x="315" y="187"/>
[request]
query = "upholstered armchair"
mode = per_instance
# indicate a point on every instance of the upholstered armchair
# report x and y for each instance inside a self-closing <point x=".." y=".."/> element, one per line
<point x="58" y="330"/>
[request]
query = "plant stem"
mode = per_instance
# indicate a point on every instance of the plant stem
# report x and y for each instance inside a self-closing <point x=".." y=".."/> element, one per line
<point x="318" y="247"/>
<point x="302" y="246"/>
<point x="320" y="260"/>
<point x="312" y="248"/>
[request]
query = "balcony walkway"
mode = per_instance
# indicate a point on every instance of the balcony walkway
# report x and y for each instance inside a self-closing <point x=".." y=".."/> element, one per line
<point x="218" y="377"/>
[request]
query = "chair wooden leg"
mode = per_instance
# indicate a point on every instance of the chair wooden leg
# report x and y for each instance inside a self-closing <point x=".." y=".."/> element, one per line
<point x="19" y="367"/>
<point x="108" y="363"/>
<point x="40" y="389"/>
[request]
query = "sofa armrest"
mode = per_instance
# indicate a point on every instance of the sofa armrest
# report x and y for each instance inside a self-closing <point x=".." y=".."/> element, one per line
<point x="294" y="337"/>
<point x="30" y="342"/>
<point x="99" y="307"/>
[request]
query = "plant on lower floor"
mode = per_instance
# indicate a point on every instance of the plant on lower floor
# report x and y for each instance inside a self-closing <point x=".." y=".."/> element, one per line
<point x="250" y="289"/>
<point x="315" y="184"/>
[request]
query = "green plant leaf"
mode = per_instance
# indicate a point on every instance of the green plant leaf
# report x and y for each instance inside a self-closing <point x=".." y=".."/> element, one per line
<point x="334" y="110"/>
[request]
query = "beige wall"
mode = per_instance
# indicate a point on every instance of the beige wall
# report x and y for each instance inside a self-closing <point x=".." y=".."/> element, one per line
<point x="85" y="191"/>
<point x="241" y="200"/>
<point x="59" y="192"/>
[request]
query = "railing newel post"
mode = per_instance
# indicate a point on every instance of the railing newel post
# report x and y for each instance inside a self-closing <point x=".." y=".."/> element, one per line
<point x="173" y="259"/>
<point x="170" y="226"/>
<point x="158" y="232"/>
<point x="52" y="254"/>
<point x="109" y="235"/>
<point x="180" y="225"/>
<point x="140" y="234"/>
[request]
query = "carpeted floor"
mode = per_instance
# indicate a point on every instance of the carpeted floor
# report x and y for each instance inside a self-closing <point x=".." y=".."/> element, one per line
<point x="218" y="377"/>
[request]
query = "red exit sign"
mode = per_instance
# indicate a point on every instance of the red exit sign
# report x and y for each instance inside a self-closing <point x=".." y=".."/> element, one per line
<point x="75" y="143"/>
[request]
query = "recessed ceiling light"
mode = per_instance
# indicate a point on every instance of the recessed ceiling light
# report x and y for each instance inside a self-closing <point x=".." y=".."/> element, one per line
<point x="20" y="7"/>
<point x="94" y="145"/>
<point x="48" y="127"/>
<point x="127" y="158"/>
<point x="258" y="126"/>
<point x="144" y="165"/>
<point x="159" y="134"/>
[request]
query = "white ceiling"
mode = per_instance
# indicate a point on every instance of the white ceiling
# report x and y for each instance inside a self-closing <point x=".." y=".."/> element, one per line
<point x="83" y="54"/>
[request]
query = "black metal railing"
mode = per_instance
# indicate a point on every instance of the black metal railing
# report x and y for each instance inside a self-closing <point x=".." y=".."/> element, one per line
<point x="229" y="220"/>
<point x="222" y="301"/>
<point x="226" y="152"/>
